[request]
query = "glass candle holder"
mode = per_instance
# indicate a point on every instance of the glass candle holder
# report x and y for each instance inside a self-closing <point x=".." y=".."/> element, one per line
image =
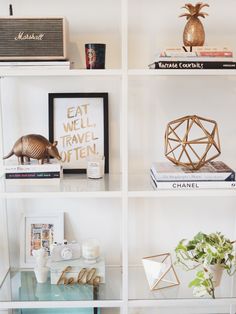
<point x="95" y="167"/>
<point x="95" y="56"/>
<point x="91" y="251"/>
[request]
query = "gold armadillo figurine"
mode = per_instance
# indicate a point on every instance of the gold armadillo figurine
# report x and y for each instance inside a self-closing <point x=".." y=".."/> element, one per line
<point x="33" y="146"/>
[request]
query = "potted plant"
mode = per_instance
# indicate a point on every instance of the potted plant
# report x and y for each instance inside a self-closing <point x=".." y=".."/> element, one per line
<point x="211" y="253"/>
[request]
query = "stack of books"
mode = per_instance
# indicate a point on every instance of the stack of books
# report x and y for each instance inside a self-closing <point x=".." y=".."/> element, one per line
<point x="213" y="175"/>
<point x="197" y="58"/>
<point x="52" y="170"/>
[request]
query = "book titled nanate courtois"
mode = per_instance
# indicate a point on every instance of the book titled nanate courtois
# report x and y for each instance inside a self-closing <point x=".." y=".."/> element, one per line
<point x="192" y="65"/>
<point x="211" y="171"/>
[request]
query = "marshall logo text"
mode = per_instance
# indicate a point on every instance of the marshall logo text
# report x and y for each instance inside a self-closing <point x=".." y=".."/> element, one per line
<point x="32" y="36"/>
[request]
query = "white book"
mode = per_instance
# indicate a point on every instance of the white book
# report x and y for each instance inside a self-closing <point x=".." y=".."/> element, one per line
<point x="196" y="59"/>
<point x="53" y="166"/>
<point x="211" y="171"/>
<point x="39" y="67"/>
<point x="192" y="185"/>
<point x="198" y="48"/>
<point x="34" y="63"/>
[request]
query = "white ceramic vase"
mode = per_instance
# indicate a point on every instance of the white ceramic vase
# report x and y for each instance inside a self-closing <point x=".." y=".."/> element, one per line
<point x="41" y="274"/>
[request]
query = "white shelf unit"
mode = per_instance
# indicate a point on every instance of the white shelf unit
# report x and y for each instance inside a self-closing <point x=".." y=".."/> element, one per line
<point x="72" y="186"/>
<point x="13" y="72"/>
<point x="149" y="72"/>
<point x="141" y="219"/>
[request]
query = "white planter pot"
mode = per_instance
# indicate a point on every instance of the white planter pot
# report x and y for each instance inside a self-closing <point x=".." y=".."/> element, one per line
<point x="41" y="274"/>
<point x="216" y="271"/>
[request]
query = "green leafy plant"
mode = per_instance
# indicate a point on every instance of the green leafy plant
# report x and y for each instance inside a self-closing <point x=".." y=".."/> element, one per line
<point x="203" y="284"/>
<point x="203" y="251"/>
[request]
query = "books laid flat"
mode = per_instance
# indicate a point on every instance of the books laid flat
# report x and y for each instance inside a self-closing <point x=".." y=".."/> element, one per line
<point x="194" y="59"/>
<point x="197" y="52"/>
<point x="33" y="166"/>
<point x="197" y="58"/>
<point x="192" y="65"/>
<point x="33" y="175"/>
<point x="198" y="48"/>
<point x="33" y="170"/>
<point x="211" y="171"/>
<point x="192" y="185"/>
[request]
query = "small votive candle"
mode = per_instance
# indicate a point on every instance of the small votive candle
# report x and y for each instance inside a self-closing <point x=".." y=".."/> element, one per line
<point x="90" y="250"/>
<point x="95" y="167"/>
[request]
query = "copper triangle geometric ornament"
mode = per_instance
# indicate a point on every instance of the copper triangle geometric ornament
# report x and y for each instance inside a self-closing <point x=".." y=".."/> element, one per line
<point x="192" y="141"/>
<point x="160" y="271"/>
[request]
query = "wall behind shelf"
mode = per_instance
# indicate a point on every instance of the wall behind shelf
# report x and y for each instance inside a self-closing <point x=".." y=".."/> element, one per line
<point x="83" y="219"/>
<point x="155" y="101"/>
<point x="157" y="225"/>
<point x="88" y="21"/>
<point x="155" y="25"/>
<point x="25" y="107"/>
<point x="4" y="264"/>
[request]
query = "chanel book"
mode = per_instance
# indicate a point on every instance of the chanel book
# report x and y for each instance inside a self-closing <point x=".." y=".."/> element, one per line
<point x="191" y="185"/>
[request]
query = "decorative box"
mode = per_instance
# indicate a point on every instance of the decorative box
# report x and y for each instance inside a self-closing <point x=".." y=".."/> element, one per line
<point x="30" y="290"/>
<point x="77" y="265"/>
<point x="38" y="38"/>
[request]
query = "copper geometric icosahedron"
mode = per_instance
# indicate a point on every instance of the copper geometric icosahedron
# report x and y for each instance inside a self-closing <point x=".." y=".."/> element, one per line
<point x="192" y="141"/>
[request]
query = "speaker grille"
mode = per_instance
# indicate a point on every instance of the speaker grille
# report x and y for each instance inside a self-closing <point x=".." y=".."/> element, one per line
<point x="36" y="37"/>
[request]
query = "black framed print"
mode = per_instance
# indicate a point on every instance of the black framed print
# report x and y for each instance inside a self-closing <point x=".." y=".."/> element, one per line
<point x="79" y="123"/>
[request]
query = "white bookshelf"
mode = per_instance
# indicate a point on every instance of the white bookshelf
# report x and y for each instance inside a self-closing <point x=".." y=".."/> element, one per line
<point x="149" y="72"/>
<point x="131" y="218"/>
<point x="15" y="72"/>
<point x="71" y="186"/>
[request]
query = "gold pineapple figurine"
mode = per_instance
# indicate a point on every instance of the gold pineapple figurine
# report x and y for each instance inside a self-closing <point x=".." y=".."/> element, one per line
<point x="194" y="34"/>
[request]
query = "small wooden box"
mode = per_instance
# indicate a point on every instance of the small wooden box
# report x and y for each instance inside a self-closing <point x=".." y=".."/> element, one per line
<point x="57" y="268"/>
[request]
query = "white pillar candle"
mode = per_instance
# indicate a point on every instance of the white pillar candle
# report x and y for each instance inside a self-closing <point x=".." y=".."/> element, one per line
<point x="90" y="250"/>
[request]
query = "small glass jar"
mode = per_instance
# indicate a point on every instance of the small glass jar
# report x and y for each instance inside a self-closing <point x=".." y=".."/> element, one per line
<point x="91" y="251"/>
<point x="95" y="167"/>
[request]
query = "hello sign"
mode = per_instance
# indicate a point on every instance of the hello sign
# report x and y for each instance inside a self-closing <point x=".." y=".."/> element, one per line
<point x="85" y="276"/>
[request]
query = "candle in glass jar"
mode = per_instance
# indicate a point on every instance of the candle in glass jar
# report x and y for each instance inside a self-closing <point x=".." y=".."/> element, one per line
<point x="95" y="167"/>
<point x="90" y="250"/>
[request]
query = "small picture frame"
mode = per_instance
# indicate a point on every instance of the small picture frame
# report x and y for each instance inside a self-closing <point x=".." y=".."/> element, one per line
<point x="40" y="231"/>
<point x="79" y="123"/>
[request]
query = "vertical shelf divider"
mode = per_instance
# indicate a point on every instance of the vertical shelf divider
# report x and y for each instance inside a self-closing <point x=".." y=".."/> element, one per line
<point x="5" y="259"/>
<point x="124" y="151"/>
<point x="1" y="126"/>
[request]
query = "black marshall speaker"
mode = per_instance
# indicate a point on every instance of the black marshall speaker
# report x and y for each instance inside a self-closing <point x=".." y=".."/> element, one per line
<point x="32" y="38"/>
